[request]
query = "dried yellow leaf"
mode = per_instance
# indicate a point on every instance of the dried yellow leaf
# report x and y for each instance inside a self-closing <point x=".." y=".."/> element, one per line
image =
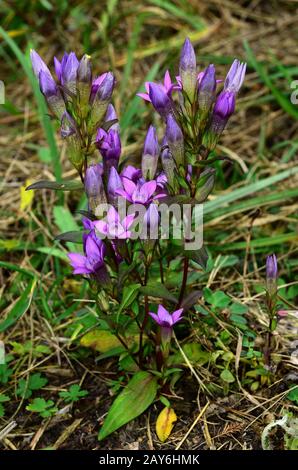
<point x="165" y="423"/>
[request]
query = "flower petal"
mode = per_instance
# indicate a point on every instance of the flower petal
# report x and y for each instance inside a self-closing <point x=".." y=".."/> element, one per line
<point x="176" y="316"/>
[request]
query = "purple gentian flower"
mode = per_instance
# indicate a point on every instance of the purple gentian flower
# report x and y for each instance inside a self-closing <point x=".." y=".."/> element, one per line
<point x="164" y="318"/>
<point x="102" y="87"/>
<point x="207" y="88"/>
<point x="150" y="154"/>
<point x="47" y="85"/>
<point x="271" y="275"/>
<point x="175" y="140"/>
<point x="139" y="193"/>
<point x="159" y="98"/>
<point x="114" y="183"/>
<point x="188" y="69"/>
<point x="69" y="68"/>
<point x="109" y="145"/>
<point x="168" y="86"/>
<point x="111" y="116"/>
<point x="132" y="173"/>
<point x="113" y="227"/>
<point x="96" y="84"/>
<point x="271" y="267"/>
<point x="225" y="105"/>
<point x="94" y="186"/>
<point x="84" y="72"/>
<point x="235" y="77"/>
<point x="38" y="64"/>
<point x="93" y="261"/>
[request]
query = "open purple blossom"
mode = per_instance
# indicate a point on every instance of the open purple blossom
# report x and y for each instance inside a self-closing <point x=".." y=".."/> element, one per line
<point x="93" y="260"/>
<point x="113" y="227"/>
<point x="168" y="86"/>
<point x="139" y="193"/>
<point x="132" y="173"/>
<point x="165" y="319"/>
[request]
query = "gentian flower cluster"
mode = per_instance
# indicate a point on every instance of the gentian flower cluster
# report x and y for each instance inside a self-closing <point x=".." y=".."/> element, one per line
<point x="176" y="162"/>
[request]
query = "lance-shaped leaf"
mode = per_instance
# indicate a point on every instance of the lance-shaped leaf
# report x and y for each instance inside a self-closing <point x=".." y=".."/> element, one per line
<point x="20" y="307"/>
<point x="191" y="299"/>
<point x="138" y="394"/>
<point x="71" y="236"/>
<point x="56" y="185"/>
<point x="129" y="295"/>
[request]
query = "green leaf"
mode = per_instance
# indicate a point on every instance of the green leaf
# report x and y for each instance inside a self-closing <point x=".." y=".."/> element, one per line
<point x="138" y="394"/>
<point x="43" y="407"/>
<point x="35" y="382"/>
<point x="56" y="185"/>
<point x="73" y="394"/>
<point x="158" y="290"/>
<point x="227" y="376"/>
<point x="129" y="295"/>
<point x="20" y="307"/>
<point x="5" y="373"/>
<point x="4" y="398"/>
<point x="293" y="395"/>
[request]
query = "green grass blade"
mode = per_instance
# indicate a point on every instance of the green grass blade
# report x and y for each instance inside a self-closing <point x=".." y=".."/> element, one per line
<point x="282" y="99"/>
<point x="252" y="188"/>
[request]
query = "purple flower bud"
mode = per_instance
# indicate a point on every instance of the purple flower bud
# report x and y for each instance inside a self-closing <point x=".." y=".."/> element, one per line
<point x="38" y="64"/>
<point x="101" y="92"/>
<point x="69" y="68"/>
<point x="223" y="109"/>
<point x="96" y="84"/>
<point x="84" y="72"/>
<point x="188" y="69"/>
<point x="225" y="105"/>
<point x="109" y="145"/>
<point x="271" y="267"/>
<point x="235" y="76"/>
<point x="160" y="100"/>
<point x="169" y="167"/>
<point x="104" y="87"/>
<point x="114" y="183"/>
<point x="175" y="140"/>
<point x="111" y="116"/>
<point x="150" y="154"/>
<point x="94" y="186"/>
<point x="271" y="275"/>
<point x="207" y="88"/>
<point x="47" y="84"/>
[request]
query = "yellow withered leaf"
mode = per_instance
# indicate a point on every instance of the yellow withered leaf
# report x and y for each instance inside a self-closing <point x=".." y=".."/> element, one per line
<point x="165" y="423"/>
<point x="26" y="196"/>
<point x="100" y="340"/>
